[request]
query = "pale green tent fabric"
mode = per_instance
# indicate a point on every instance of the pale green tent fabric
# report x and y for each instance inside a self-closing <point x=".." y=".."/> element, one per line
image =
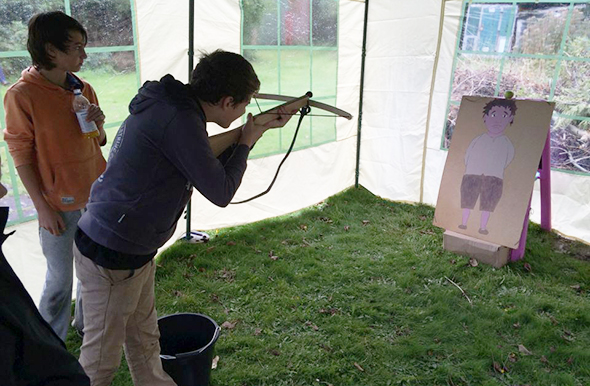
<point x="410" y="49"/>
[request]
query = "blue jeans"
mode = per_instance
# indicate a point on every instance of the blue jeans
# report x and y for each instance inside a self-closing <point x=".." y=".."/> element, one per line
<point x="2" y="76"/>
<point x="56" y="298"/>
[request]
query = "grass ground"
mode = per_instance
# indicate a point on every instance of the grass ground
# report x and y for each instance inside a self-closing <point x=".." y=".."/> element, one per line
<point x="356" y="291"/>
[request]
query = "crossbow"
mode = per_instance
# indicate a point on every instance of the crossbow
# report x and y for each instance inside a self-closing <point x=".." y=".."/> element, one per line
<point x="220" y="142"/>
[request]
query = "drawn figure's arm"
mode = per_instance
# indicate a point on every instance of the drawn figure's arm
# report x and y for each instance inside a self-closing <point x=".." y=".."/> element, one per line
<point x="470" y="150"/>
<point x="509" y="153"/>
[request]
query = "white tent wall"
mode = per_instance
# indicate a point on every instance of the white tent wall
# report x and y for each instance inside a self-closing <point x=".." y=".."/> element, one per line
<point x="570" y="205"/>
<point x="436" y="157"/>
<point x="402" y="38"/>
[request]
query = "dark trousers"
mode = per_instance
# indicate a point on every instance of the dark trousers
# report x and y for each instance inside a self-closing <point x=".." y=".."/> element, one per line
<point x="31" y="353"/>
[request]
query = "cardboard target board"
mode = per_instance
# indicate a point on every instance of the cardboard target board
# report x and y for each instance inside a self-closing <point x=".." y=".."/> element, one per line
<point x="491" y="166"/>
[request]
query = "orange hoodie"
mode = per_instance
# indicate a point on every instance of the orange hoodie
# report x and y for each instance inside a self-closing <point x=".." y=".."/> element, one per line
<point x="42" y="130"/>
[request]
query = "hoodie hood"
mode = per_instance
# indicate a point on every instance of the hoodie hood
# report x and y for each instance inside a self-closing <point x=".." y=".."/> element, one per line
<point x="168" y="91"/>
<point x="33" y="76"/>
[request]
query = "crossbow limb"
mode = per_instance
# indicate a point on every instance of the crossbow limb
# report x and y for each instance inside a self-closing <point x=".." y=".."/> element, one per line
<point x="312" y="103"/>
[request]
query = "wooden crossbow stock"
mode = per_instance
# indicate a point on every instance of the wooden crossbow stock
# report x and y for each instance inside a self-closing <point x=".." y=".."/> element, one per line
<point x="222" y="141"/>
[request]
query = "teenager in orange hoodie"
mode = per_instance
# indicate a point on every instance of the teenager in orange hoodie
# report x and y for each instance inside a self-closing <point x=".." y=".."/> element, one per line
<point x="54" y="160"/>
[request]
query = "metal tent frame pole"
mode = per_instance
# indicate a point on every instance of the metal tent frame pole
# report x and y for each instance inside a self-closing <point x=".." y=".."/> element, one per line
<point x="360" y="115"/>
<point x="191" y="52"/>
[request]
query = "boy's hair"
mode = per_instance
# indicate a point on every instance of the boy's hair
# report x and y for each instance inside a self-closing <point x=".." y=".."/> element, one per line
<point x="220" y="74"/>
<point x="508" y="103"/>
<point x="53" y="28"/>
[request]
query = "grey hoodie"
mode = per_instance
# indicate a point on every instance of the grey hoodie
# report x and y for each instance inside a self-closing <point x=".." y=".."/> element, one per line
<point x="160" y="152"/>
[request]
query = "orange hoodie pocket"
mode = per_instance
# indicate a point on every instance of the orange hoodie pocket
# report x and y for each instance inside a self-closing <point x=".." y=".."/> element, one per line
<point x="70" y="185"/>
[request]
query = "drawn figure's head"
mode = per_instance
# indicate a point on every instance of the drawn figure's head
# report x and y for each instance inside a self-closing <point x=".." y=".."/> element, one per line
<point x="498" y="114"/>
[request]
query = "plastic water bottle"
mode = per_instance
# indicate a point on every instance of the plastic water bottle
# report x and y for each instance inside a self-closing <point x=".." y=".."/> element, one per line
<point x="81" y="104"/>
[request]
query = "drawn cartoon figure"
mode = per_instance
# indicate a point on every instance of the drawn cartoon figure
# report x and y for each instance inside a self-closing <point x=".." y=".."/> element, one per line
<point x="486" y="159"/>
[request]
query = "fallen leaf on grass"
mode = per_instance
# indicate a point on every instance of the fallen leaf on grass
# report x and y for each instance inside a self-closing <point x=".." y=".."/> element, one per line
<point x="178" y="293"/>
<point x="527" y="267"/>
<point x="229" y="325"/>
<point x="544" y="359"/>
<point x="272" y="256"/>
<point x="512" y="357"/>
<point x="473" y="262"/>
<point x="210" y="249"/>
<point x="501" y="369"/>
<point x="303" y="227"/>
<point x="358" y="367"/>
<point x="453" y="261"/>
<point x="230" y="243"/>
<point x="257" y="331"/>
<point x="524" y="350"/>
<point x="313" y="326"/>
<point x="214" y="363"/>
<point x="366" y="222"/>
<point x="346" y="228"/>
<point x="516" y="325"/>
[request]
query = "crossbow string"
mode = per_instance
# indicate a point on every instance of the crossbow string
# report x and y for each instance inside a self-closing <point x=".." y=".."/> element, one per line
<point x="304" y="111"/>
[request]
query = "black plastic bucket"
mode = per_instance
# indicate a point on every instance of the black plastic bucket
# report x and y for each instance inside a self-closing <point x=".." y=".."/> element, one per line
<point x="186" y="347"/>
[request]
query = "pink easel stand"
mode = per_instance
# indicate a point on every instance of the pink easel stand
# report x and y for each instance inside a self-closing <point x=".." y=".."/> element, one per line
<point x="545" y="181"/>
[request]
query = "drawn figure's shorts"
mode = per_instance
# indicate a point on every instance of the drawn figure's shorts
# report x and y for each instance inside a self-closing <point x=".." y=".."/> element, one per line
<point x="487" y="188"/>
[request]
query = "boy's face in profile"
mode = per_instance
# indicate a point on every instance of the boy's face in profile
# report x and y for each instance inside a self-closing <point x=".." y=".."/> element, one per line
<point x="232" y="113"/>
<point x="73" y="58"/>
<point x="497" y="119"/>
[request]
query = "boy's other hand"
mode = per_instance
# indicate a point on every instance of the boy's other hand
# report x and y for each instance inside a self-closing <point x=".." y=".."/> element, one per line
<point x="282" y="118"/>
<point x="51" y="220"/>
<point x="252" y="132"/>
<point x="95" y="114"/>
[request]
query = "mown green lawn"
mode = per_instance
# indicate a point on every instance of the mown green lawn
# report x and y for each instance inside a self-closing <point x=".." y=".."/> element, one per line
<point x="357" y="291"/>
